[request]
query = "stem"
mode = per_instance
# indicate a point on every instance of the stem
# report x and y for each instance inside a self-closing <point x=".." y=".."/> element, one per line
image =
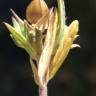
<point x="43" y="91"/>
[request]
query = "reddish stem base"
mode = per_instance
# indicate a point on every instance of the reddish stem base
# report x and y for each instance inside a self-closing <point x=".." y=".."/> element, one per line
<point x="43" y="91"/>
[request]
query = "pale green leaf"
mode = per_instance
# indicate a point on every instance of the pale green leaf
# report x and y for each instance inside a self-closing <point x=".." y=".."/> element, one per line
<point x="61" y="23"/>
<point x="48" y="47"/>
<point x="17" y="43"/>
<point x="16" y="25"/>
<point x="20" y="38"/>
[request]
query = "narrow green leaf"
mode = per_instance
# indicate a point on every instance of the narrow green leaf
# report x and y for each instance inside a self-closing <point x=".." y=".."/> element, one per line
<point x="61" y="24"/>
<point x="15" y="33"/>
<point x="16" y="25"/>
<point x="20" y="38"/>
<point x="17" y="43"/>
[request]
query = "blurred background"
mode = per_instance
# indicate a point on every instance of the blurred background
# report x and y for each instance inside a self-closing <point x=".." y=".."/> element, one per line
<point x="77" y="76"/>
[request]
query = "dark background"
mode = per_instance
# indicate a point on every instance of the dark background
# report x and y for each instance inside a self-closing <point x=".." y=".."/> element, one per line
<point x="77" y="76"/>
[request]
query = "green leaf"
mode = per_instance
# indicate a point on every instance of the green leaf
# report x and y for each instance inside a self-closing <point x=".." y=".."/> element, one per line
<point x="61" y="11"/>
<point x="17" y="43"/>
<point x="16" y="34"/>
<point x="20" y="39"/>
<point x="25" y="30"/>
<point x="16" y="25"/>
<point x="61" y="23"/>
